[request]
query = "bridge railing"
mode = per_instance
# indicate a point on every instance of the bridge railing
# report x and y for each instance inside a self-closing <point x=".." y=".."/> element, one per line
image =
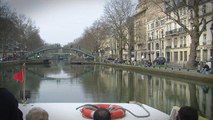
<point x="57" y="46"/>
<point x="41" y="49"/>
<point x="84" y="51"/>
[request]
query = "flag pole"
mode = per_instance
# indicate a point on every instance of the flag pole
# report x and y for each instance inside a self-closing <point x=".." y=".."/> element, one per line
<point x="24" y="78"/>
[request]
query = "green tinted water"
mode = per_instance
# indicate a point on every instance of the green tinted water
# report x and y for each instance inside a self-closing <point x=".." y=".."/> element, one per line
<point x="90" y="83"/>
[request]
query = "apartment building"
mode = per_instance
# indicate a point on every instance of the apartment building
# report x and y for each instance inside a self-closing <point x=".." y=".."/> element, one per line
<point x="155" y="38"/>
<point x="205" y="43"/>
<point x="166" y="38"/>
<point x="140" y="30"/>
<point x="177" y="41"/>
<point x="145" y="12"/>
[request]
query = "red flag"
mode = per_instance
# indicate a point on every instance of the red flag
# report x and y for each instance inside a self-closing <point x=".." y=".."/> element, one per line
<point x="18" y="75"/>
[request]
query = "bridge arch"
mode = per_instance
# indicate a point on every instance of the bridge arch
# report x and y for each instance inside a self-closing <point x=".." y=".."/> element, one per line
<point x="57" y="47"/>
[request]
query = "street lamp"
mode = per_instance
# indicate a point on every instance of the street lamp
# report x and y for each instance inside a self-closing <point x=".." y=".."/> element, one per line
<point x="211" y="28"/>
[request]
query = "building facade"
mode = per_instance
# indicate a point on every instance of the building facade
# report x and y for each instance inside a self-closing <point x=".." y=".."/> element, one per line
<point x="155" y="38"/>
<point x="140" y="30"/>
<point x="166" y="38"/>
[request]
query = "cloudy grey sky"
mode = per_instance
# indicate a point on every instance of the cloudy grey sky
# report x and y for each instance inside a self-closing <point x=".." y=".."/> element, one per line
<point x="60" y="21"/>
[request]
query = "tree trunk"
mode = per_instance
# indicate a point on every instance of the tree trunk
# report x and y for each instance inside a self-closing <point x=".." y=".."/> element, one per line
<point x="120" y="50"/>
<point x="129" y="54"/>
<point x="193" y="51"/>
<point x="120" y="54"/>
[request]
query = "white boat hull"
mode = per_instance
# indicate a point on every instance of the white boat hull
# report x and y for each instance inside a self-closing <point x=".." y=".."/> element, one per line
<point x="67" y="111"/>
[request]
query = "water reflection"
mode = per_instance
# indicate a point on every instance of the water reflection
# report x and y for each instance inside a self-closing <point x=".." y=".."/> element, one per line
<point x="87" y="83"/>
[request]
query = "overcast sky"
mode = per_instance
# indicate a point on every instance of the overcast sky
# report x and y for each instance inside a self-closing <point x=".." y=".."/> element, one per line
<point x="60" y="21"/>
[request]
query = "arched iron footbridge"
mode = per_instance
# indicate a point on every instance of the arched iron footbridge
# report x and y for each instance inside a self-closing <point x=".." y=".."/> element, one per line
<point x="61" y="50"/>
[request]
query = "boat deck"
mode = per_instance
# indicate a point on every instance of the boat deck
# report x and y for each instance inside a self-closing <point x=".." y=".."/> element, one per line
<point x="67" y="111"/>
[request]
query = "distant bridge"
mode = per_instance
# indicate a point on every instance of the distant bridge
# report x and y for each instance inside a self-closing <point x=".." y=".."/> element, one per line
<point x="57" y="47"/>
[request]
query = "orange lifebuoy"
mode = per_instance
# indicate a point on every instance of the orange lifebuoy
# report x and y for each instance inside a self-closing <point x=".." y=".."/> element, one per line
<point x="116" y="111"/>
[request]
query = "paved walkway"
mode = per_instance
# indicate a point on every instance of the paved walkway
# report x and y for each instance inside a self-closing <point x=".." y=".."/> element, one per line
<point x="184" y="73"/>
<point x="179" y="69"/>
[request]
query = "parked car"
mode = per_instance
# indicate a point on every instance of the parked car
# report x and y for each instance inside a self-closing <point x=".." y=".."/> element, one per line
<point x="120" y="61"/>
<point x="147" y="63"/>
<point x="89" y="58"/>
<point x="109" y="59"/>
<point x="159" y="61"/>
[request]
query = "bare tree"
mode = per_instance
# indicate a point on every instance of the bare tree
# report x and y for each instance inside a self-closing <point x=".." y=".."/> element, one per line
<point x="30" y="34"/>
<point x="197" y="21"/>
<point x="100" y="32"/>
<point x="86" y="41"/>
<point x="8" y="28"/>
<point x="17" y="30"/>
<point x="94" y="37"/>
<point x="117" y="13"/>
<point x="130" y="41"/>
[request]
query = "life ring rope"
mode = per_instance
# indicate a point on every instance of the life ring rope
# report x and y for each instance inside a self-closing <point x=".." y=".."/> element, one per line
<point x="121" y="108"/>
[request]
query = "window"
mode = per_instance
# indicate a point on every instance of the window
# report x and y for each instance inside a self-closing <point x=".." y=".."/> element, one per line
<point x="152" y="46"/>
<point x="168" y="56"/>
<point x="204" y="39"/>
<point x="157" y="34"/>
<point x="181" y="55"/>
<point x="162" y="45"/>
<point x="148" y="36"/>
<point x="175" y="56"/>
<point x="156" y="24"/>
<point x="162" y="35"/>
<point x="184" y="41"/>
<point x="204" y="24"/>
<point x="168" y="45"/>
<point x="157" y="46"/>
<point x="185" y="55"/>
<point x="149" y="46"/>
<point x="152" y="25"/>
<point x="181" y="41"/>
<point x="168" y="27"/>
<point x="175" y="42"/>
<point x="162" y="22"/>
<point x="205" y="55"/>
<point x="152" y="35"/>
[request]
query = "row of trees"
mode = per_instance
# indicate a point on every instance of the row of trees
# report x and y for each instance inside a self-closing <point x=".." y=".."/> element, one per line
<point x="17" y="31"/>
<point x="116" y="23"/>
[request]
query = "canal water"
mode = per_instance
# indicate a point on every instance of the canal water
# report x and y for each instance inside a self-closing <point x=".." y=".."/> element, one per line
<point x="61" y="82"/>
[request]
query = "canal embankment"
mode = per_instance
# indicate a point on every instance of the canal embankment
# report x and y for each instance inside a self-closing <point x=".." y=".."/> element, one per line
<point x="166" y="71"/>
<point x="20" y="62"/>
